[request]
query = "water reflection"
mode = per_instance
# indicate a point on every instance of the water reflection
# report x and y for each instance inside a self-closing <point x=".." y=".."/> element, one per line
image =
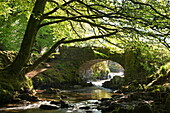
<point x="89" y="93"/>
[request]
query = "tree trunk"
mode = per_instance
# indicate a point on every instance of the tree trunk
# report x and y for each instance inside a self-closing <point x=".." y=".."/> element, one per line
<point x="13" y="76"/>
<point x="32" y="28"/>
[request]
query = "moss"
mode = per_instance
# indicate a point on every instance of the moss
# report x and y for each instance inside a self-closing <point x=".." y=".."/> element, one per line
<point x="133" y="69"/>
<point x="161" y="76"/>
<point x="49" y="78"/>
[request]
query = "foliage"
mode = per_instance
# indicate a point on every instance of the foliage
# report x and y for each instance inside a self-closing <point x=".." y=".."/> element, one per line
<point x="161" y="76"/>
<point x="115" y="67"/>
<point x="13" y="16"/>
<point x="83" y="18"/>
<point x="151" y="57"/>
<point x="100" y="70"/>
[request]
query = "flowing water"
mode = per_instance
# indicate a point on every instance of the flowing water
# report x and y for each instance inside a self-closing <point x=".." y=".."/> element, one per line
<point x="77" y="97"/>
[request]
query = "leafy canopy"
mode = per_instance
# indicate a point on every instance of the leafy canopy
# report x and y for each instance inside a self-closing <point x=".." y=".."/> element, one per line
<point x="127" y="21"/>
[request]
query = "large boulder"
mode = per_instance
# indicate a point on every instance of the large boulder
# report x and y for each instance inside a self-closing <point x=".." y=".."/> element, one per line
<point x="115" y="83"/>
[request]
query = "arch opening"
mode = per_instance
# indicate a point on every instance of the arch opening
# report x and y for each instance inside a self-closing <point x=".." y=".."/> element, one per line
<point x="100" y="70"/>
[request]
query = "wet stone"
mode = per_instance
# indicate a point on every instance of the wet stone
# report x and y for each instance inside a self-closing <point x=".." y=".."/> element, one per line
<point x="49" y="107"/>
<point x="64" y="104"/>
<point x="84" y="107"/>
<point x="51" y="91"/>
<point x="28" y="97"/>
<point x="55" y="102"/>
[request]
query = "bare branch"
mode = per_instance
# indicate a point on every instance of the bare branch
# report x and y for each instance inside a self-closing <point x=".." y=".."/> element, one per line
<point x="77" y="19"/>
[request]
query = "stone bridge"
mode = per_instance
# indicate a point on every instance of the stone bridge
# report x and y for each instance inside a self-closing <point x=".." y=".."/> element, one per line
<point x="83" y="58"/>
<point x="69" y="63"/>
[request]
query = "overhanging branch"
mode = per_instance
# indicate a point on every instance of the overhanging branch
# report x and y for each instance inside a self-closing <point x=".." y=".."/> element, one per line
<point x="45" y="55"/>
<point x="89" y="38"/>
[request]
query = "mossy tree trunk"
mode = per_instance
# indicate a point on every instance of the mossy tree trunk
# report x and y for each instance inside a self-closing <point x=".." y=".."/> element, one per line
<point x="14" y="73"/>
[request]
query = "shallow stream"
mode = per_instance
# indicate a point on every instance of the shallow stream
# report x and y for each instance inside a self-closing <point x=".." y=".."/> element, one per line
<point x="88" y="96"/>
<point x="78" y="98"/>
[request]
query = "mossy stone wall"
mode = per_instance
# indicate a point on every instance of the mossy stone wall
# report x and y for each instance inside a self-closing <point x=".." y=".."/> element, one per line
<point x="133" y="68"/>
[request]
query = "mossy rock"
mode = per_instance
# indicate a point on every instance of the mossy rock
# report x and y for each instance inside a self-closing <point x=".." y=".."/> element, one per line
<point x="115" y="83"/>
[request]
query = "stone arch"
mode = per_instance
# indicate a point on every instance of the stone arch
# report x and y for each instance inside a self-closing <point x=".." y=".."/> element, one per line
<point x="85" y="67"/>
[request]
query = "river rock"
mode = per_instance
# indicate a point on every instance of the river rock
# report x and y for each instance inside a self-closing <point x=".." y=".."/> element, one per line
<point x="28" y="97"/>
<point x="115" y="83"/>
<point x="48" y="107"/>
<point x="85" y="107"/>
<point x="51" y="91"/>
<point x="60" y="103"/>
<point x="55" y="102"/>
<point x="64" y="104"/>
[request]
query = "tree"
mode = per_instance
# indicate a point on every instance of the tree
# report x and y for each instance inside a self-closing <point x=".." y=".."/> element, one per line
<point x="19" y="67"/>
<point x="100" y="19"/>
